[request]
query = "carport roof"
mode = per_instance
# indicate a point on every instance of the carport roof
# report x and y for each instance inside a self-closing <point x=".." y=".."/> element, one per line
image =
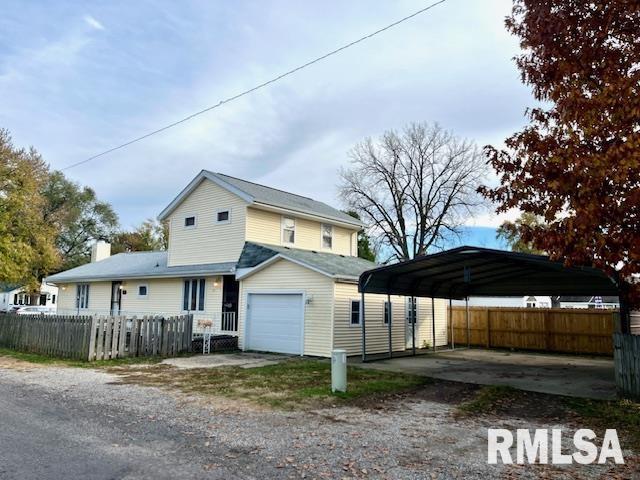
<point x="474" y="271"/>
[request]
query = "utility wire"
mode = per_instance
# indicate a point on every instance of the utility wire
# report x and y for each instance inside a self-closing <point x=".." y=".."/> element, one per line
<point x="257" y="87"/>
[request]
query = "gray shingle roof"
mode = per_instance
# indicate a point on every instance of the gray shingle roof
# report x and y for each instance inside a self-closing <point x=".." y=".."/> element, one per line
<point x="137" y="265"/>
<point x="340" y="266"/>
<point x="280" y="198"/>
<point x="7" y="287"/>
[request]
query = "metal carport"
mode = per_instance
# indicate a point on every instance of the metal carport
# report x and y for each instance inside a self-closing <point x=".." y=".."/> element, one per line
<point x="473" y="271"/>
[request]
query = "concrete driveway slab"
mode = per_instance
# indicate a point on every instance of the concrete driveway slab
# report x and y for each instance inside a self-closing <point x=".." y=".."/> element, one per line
<point x="576" y="376"/>
<point x="242" y="360"/>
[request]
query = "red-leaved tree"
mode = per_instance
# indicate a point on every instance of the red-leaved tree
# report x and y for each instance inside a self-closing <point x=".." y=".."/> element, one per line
<point x="577" y="163"/>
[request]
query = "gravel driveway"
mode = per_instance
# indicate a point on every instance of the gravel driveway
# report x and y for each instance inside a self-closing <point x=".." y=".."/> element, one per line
<point x="80" y="423"/>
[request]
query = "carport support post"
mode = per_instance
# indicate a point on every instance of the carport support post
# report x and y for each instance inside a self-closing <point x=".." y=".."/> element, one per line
<point x="390" y="320"/>
<point x="364" y="336"/>
<point x="466" y="302"/>
<point x="453" y="343"/>
<point x="414" y="314"/>
<point x="433" y="322"/>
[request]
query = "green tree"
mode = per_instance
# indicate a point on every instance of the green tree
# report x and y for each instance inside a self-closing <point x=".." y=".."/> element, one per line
<point x="27" y="240"/>
<point x="364" y="242"/>
<point x="151" y="235"/>
<point x="511" y="233"/>
<point x="79" y="217"/>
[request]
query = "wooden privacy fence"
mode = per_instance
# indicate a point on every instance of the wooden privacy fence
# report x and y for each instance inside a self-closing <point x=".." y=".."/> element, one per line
<point x="97" y="338"/>
<point x="57" y="336"/>
<point x="627" y="364"/>
<point x="566" y="330"/>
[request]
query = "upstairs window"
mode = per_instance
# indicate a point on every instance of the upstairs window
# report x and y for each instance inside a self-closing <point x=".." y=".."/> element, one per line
<point x="327" y="236"/>
<point x="288" y="230"/>
<point x="82" y="296"/>
<point x="223" y="216"/>
<point x="193" y="295"/>
<point x="143" y="290"/>
<point x="189" y="222"/>
<point x="355" y="312"/>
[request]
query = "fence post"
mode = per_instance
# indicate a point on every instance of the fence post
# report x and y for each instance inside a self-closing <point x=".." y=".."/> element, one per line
<point x="93" y="323"/>
<point x="488" y="326"/>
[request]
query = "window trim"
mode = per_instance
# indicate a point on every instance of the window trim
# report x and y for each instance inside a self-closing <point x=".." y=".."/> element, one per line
<point x="197" y="296"/>
<point x="146" y="295"/>
<point x="282" y="230"/>
<point x="351" y="302"/>
<point x="189" y="227"/>
<point x="82" y="290"/>
<point x="387" y="314"/>
<point x="223" y="222"/>
<point x="322" y="246"/>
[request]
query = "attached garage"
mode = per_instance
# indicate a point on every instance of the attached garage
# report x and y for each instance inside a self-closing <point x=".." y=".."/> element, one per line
<point x="275" y="322"/>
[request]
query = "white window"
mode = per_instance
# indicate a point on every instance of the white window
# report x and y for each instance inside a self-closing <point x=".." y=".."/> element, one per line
<point x="288" y="230"/>
<point x="327" y="236"/>
<point x="143" y="291"/>
<point x="82" y="296"/>
<point x="223" y="216"/>
<point x="354" y="318"/>
<point x="190" y="222"/>
<point x="193" y="295"/>
<point x="387" y="312"/>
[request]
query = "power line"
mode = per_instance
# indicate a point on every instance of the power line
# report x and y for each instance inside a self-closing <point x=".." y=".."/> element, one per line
<point x="257" y="87"/>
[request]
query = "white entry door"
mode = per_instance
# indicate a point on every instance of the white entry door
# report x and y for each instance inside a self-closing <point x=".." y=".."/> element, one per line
<point x="275" y="323"/>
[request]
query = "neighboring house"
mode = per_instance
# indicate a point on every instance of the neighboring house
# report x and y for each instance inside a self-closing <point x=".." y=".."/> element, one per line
<point x="276" y="269"/>
<point x="12" y="295"/>
<point x="528" y="301"/>
<point x="593" y="301"/>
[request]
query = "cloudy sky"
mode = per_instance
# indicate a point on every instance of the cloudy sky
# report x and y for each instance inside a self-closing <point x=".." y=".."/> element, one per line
<point x="79" y="77"/>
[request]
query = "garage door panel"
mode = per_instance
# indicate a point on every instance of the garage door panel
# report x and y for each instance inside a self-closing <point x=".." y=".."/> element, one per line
<point x="274" y="322"/>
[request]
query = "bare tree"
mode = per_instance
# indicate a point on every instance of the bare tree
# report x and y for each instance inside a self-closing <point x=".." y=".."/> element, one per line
<point x="415" y="188"/>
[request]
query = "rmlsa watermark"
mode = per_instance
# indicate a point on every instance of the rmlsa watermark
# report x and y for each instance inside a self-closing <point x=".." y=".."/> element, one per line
<point x="545" y="446"/>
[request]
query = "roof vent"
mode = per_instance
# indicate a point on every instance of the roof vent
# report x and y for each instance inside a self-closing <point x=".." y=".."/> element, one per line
<point x="157" y="265"/>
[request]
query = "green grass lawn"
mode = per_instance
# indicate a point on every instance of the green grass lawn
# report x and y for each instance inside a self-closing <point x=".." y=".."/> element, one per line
<point x="290" y="384"/>
<point x="46" y="360"/>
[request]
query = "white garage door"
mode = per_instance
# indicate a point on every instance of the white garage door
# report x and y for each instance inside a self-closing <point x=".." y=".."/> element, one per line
<point x="274" y="323"/>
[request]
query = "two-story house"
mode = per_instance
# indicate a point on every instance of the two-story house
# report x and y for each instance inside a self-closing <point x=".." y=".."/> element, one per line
<point x="276" y="269"/>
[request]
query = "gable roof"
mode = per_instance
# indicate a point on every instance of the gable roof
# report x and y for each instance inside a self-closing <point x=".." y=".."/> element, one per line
<point x="256" y="194"/>
<point x="136" y="265"/>
<point x="333" y="265"/>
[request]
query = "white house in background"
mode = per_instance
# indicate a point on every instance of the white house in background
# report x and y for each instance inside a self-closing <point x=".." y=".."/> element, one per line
<point x="276" y="269"/>
<point x="593" y="301"/>
<point x="528" y="301"/>
<point x="12" y="295"/>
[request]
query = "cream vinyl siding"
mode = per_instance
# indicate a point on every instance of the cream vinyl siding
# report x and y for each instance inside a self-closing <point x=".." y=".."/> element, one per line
<point x="286" y="277"/>
<point x="208" y="241"/>
<point x="99" y="299"/>
<point x="164" y="297"/>
<point x="266" y="227"/>
<point x="349" y="337"/>
<point x="423" y="325"/>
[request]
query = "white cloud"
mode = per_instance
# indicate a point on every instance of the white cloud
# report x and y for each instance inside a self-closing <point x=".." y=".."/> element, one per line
<point x="93" y="23"/>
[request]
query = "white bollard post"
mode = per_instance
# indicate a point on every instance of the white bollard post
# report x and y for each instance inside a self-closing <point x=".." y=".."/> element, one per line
<point x="339" y="371"/>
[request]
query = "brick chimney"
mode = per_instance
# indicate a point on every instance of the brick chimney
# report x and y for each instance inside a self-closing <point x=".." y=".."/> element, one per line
<point x="100" y="250"/>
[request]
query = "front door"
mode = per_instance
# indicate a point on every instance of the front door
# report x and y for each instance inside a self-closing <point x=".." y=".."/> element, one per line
<point x="230" y="294"/>
<point x="116" y="297"/>
<point x="411" y="313"/>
